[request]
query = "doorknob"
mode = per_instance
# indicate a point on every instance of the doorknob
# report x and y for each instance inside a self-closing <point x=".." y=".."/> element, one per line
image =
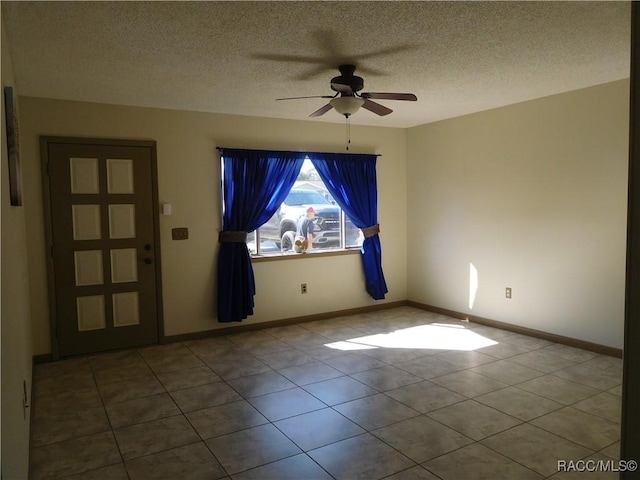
<point x="148" y="261"/>
<point x="147" y="247"/>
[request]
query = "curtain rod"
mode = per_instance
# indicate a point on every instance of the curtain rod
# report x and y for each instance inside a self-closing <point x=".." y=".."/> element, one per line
<point x="294" y="151"/>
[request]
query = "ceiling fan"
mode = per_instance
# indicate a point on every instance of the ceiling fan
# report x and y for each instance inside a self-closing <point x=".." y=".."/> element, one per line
<point x="348" y="99"/>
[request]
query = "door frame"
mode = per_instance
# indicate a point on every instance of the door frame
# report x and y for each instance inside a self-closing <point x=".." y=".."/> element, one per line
<point x="630" y="433"/>
<point x="45" y="142"/>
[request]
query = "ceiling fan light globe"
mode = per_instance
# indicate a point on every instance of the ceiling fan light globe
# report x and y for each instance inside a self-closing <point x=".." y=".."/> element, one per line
<point x="346" y="105"/>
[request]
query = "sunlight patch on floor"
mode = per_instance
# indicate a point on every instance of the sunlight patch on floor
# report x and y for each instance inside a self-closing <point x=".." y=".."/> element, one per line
<point x="434" y="336"/>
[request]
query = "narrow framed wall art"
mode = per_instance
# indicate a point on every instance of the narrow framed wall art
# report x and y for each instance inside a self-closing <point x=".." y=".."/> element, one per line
<point x="13" y="147"/>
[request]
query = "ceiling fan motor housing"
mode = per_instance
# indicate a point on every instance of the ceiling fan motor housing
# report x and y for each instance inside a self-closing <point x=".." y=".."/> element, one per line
<point x="348" y="79"/>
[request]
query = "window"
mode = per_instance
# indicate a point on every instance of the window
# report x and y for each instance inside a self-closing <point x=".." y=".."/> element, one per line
<point x="256" y="187"/>
<point x="332" y="229"/>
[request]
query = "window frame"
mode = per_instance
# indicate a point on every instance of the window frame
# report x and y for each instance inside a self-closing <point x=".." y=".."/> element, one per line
<point x="343" y="247"/>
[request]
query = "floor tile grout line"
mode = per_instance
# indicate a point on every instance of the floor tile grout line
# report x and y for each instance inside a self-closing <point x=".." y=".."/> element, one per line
<point x="563" y="437"/>
<point x="321" y="446"/>
<point x="610" y="445"/>
<point x="516" y="460"/>
<point x="520" y="422"/>
<point x="424" y="413"/>
<point x="584" y="384"/>
<point x="212" y="452"/>
<point x="306" y="452"/>
<point x="100" y="468"/>
<point x="129" y="460"/>
<point x="557" y="401"/>
<point x="106" y="413"/>
<point x="302" y="452"/>
<point x="479" y="442"/>
<point x="396" y="449"/>
<point x="533" y="418"/>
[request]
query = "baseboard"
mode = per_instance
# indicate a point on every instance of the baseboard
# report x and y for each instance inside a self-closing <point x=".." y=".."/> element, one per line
<point x="572" y="342"/>
<point x="280" y="323"/>
<point x="42" y="358"/>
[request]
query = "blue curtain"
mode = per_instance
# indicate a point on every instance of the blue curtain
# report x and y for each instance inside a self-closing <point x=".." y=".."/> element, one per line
<point x="351" y="180"/>
<point x="255" y="183"/>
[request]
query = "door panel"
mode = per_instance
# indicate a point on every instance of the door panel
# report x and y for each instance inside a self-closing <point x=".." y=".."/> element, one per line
<point x="104" y="248"/>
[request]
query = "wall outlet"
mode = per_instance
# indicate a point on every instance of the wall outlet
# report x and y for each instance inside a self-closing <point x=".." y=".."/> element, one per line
<point x="180" y="233"/>
<point x="303" y="288"/>
<point x="507" y="292"/>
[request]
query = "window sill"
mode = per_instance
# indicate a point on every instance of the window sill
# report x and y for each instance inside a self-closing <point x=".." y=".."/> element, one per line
<point x="295" y="256"/>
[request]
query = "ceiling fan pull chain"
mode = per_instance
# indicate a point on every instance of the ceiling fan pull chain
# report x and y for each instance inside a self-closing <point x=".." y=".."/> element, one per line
<point x="348" y="131"/>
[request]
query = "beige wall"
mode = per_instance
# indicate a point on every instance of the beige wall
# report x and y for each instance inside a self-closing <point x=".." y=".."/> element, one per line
<point x="534" y="196"/>
<point x="15" y="334"/>
<point x="189" y="179"/>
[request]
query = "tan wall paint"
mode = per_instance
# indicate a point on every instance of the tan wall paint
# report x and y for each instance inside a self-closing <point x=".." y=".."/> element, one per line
<point x="15" y="334"/>
<point x="189" y="179"/>
<point x="534" y="195"/>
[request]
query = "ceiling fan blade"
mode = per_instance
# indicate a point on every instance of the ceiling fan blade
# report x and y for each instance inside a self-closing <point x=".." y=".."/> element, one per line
<point x="299" y="98"/>
<point x="390" y="96"/>
<point x="390" y="51"/>
<point x="339" y="87"/>
<point x="322" y="110"/>
<point x="289" y="58"/>
<point x="376" y="108"/>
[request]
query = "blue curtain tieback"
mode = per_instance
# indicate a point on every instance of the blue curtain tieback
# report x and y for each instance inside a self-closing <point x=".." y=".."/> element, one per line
<point x="371" y="231"/>
<point x="232" y="237"/>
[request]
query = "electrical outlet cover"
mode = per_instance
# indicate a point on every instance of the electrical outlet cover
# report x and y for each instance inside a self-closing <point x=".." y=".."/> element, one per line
<point x="179" y="233"/>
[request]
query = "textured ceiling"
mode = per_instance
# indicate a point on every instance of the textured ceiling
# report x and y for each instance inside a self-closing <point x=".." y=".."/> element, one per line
<point x="238" y="57"/>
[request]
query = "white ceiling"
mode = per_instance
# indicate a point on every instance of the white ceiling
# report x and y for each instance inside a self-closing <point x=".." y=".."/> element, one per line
<point x="238" y="57"/>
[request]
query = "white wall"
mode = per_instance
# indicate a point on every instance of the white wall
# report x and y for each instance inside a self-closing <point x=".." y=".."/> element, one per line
<point x="534" y="196"/>
<point x="15" y="334"/>
<point x="189" y="179"/>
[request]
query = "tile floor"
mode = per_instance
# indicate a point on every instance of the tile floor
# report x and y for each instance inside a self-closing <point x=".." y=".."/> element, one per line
<point x="380" y="395"/>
